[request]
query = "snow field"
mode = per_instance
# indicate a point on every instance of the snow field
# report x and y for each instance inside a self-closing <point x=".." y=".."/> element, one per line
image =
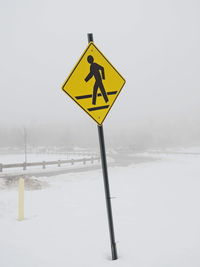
<point x="155" y="214"/>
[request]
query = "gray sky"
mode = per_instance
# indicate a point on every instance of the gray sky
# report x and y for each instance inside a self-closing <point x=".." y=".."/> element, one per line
<point x="153" y="44"/>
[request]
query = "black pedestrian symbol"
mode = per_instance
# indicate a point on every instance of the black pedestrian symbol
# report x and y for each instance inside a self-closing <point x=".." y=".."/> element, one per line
<point x="97" y="71"/>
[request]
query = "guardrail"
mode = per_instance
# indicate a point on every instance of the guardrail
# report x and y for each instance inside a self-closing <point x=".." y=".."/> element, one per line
<point x="24" y="165"/>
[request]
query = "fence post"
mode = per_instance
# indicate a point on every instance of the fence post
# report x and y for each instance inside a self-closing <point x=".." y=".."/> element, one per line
<point x="43" y="164"/>
<point x="1" y="167"/>
<point x="24" y="166"/>
<point x="92" y="160"/>
<point x="84" y="161"/>
<point x="58" y="163"/>
<point x="72" y="162"/>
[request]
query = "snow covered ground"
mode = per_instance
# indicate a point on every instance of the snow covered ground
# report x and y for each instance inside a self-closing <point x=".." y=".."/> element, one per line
<point x="156" y="217"/>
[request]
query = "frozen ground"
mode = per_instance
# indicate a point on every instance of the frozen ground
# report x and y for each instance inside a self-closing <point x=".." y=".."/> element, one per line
<point x="156" y="217"/>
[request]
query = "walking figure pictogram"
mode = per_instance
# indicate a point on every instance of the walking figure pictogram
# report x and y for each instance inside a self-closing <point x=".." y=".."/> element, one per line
<point x="98" y="72"/>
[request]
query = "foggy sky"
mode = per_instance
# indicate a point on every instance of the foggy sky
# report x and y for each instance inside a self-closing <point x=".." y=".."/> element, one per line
<point x="153" y="44"/>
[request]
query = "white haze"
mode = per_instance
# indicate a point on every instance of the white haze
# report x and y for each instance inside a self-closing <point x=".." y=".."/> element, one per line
<point x="153" y="44"/>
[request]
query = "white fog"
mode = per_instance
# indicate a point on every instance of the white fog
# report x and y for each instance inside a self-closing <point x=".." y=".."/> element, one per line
<point x="152" y="134"/>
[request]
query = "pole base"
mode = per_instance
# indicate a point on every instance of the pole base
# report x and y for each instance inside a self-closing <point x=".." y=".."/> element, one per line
<point x="114" y="252"/>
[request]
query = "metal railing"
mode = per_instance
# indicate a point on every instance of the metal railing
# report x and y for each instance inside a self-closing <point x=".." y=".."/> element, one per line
<point x="43" y="164"/>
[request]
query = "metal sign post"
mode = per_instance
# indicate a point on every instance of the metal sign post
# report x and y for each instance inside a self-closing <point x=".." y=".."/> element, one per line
<point x="96" y="98"/>
<point x="106" y="182"/>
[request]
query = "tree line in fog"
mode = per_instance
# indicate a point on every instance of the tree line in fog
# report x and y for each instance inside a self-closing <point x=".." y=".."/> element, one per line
<point x="129" y="136"/>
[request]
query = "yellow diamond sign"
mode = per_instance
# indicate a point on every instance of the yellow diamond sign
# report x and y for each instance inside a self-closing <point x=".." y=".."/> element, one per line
<point x="94" y="84"/>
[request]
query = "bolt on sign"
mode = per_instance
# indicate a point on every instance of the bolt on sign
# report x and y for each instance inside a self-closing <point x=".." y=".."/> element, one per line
<point x="94" y="84"/>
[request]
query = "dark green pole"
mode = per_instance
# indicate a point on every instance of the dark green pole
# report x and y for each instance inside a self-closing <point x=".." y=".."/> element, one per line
<point x="106" y="182"/>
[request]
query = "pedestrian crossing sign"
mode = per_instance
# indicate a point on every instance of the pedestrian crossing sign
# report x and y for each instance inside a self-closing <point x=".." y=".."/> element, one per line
<point x="94" y="84"/>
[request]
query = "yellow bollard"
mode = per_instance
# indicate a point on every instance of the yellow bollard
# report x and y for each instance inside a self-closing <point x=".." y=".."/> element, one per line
<point x="21" y="200"/>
